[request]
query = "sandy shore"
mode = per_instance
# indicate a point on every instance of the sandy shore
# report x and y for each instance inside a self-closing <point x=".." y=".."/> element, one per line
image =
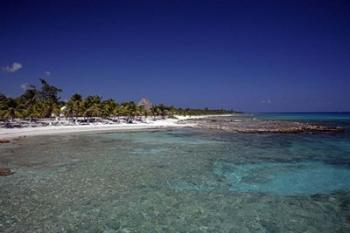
<point x="203" y="116"/>
<point x="50" y="130"/>
<point x="178" y="122"/>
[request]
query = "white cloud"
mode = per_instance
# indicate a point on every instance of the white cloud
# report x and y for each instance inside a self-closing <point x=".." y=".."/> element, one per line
<point x="47" y="73"/>
<point x="12" y="67"/>
<point x="25" y="86"/>
<point x="267" y="101"/>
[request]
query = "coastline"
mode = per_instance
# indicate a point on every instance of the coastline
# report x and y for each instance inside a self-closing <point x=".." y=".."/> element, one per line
<point x="238" y="125"/>
<point x="178" y="122"/>
<point x="6" y="134"/>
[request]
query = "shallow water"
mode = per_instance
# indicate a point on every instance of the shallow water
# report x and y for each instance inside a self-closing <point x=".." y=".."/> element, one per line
<point x="176" y="181"/>
<point x="300" y="178"/>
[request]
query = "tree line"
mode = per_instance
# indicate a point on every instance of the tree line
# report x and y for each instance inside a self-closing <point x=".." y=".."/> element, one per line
<point x="44" y="102"/>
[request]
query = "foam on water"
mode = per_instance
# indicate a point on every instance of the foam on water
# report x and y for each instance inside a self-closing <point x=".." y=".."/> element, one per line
<point x="303" y="178"/>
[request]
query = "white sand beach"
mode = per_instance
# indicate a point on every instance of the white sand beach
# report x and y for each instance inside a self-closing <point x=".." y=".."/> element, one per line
<point x="177" y="122"/>
<point x="187" y="117"/>
<point x="49" y="130"/>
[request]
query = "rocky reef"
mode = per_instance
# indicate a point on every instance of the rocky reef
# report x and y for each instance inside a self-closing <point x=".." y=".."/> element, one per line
<point x="245" y="124"/>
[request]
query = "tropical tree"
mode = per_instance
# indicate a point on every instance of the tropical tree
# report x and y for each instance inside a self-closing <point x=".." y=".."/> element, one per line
<point x="39" y="103"/>
<point x="118" y="111"/>
<point x="49" y="92"/>
<point x="108" y="107"/>
<point x="45" y="102"/>
<point x="93" y="111"/>
<point x="56" y="110"/>
<point x="75" y="106"/>
<point x="92" y="106"/>
<point x="154" y="111"/>
<point x="28" y="100"/>
<point x="10" y="109"/>
<point x="147" y="112"/>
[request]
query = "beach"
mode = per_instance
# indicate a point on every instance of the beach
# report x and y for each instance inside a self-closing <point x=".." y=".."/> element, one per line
<point x="240" y="123"/>
<point x="175" y="122"/>
<point x="50" y="130"/>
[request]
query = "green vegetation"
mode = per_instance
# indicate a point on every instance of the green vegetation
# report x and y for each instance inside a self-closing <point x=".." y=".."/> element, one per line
<point x="37" y="103"/>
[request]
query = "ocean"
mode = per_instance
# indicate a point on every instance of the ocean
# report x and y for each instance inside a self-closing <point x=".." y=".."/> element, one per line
<point x="180" y="180"/>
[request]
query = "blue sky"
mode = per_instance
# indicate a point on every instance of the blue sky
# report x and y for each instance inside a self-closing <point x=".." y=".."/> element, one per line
<point x="247" y="55"/>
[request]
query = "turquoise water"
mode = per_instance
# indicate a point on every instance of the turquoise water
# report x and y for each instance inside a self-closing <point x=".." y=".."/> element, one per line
<point x="177" y="181"/>
<point x="300" y="178"/>
<point x="311" y="116"/>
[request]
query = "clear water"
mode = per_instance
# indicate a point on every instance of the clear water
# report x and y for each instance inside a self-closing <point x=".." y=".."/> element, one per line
<point x="177" y="181"/>
<point x="310" y="116"/>
<point x="300" y="178"/>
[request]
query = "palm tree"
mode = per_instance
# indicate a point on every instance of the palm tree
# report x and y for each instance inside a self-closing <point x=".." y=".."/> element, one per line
<point x="118" y="111"/>
<point x="94" y="111"/>
<point x="146" y="113"/>
<point x="129" y="110"/>
<point x="44" y="102"/>
<point x="154" y="111"/>
<point x="49" y="92"/>
<point x="10" y="109"/>
<point x="141" y="111"/>
<point x="40" y="110"/>
<point x="28" y="99"/>
<point x="47" y="97"/>
<point x="75" y="106"/>
<point x="69" y="109"/>
<point x="56" y="110"/>
<point x="92" y="106"/>
<point x="108" y="107"/>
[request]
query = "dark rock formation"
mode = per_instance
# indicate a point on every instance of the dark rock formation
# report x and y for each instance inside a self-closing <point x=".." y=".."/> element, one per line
<point x="250" y="125"/>
<point x="5" y="171"/>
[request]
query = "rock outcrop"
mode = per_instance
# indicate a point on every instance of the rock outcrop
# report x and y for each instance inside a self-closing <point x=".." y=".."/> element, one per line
<point x="5" y="171"/>
<point x="248" y="125"/>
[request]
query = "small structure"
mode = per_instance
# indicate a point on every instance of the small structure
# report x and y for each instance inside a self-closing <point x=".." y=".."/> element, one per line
<point x="145" y="103"/>
<point x="63" y="108"/>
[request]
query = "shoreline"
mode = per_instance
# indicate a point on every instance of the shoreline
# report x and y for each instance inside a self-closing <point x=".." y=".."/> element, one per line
<point x="6" y="134"/>
<point x="178" y="122"/>
<point x="246" y="125"/>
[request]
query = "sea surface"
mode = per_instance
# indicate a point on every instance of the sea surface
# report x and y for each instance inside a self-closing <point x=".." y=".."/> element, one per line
<point x="343" y="117"/>
<point x="182" y="180"/>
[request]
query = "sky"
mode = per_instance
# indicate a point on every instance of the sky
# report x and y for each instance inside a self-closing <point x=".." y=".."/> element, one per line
<point x="254" y="56"/>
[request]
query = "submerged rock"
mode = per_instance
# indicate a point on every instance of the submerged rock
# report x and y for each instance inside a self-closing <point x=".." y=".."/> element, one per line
<point x="5" y="171"/>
